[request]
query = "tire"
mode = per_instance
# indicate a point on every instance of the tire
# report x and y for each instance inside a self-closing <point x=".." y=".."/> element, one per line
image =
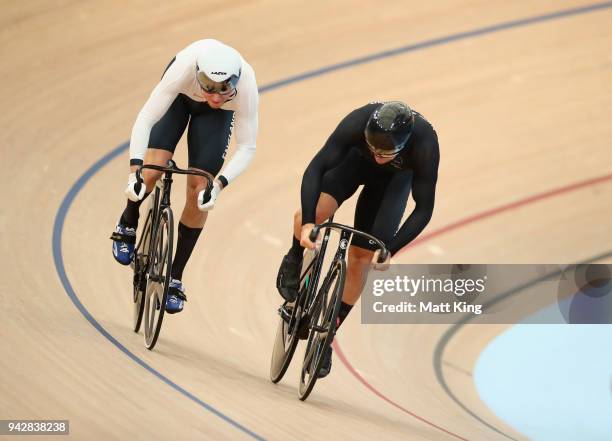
<point x="326" y="307"/>
<point x="158" y="277"/>
<point x="140" y="272"/>
<point x="286" y="339"/>
<point x="285" y="343"/>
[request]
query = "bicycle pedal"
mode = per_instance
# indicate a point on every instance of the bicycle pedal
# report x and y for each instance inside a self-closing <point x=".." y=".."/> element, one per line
<point x="285" y="313"/>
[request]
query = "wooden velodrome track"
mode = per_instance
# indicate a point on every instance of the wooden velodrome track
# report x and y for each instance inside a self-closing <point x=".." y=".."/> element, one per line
<point x="521" y="111"/>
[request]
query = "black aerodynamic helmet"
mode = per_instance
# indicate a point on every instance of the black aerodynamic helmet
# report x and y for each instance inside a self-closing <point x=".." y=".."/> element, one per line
<point x="389" y="128"/>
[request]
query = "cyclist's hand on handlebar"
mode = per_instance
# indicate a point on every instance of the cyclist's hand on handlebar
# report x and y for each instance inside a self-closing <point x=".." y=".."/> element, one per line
<point x="207" y="205"/>
<point x="304" y="237"/>
<point x="135" y="190"/>
<point x="384" y="266"/>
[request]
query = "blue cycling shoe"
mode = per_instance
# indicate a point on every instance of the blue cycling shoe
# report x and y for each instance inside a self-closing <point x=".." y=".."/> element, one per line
<point x="176" y="297"/>
<point x="124" y="242"/>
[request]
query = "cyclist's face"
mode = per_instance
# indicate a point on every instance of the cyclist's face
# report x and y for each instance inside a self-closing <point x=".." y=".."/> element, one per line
<point x="383" y="159"/>
<point x="216" y="100"/>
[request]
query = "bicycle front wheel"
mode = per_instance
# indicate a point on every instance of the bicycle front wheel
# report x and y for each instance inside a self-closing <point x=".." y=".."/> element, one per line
<point x="325" y="309"/>
<point x="158" y="277"/>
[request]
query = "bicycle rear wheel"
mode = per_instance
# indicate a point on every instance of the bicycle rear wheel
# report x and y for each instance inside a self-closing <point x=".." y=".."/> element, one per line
<point x="325" y="309"/>
<point x="158" y="277"/>
<point x="285" y="343"/>
<point x="140" y="272"/>
<point x="287" y="335"/>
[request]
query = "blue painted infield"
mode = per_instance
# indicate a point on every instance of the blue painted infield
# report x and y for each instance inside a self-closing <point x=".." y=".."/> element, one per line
<point x="550" y="382"/>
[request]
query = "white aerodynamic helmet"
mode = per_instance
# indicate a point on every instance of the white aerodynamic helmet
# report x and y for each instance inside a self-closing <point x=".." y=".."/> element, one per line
<point x="218" y="68"/>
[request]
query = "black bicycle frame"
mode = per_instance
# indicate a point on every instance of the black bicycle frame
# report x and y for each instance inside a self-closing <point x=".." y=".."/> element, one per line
<point x="316" y="264"/>
<point x="345" y="237"/>
<point x="346" y="233"/>
<point x="162" y="201"/>
<point x="167" y="180"/>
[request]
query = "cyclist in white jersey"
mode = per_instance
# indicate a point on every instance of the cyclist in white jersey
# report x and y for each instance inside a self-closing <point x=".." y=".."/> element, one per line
<point x="209" y="87"/>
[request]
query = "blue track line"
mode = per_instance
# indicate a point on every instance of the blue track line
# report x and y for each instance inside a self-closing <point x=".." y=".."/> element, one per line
<point x="62" y="212"/>
<point x="436" y="42"/>
<point x="61" y="271"/>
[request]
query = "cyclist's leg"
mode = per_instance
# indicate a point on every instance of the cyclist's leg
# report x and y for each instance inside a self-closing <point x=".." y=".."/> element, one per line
<point x="208" y="138"/>
<point x="164" y="137"/>
<point x="342" y="183"/>
<point x="379" y="212"/>
<point x="288" y="278"/>
<point x="326" y="207"/>
<point x="337" y="185"/>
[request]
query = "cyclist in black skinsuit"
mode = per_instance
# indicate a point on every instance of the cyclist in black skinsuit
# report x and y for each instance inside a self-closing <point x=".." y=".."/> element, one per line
<point x="390" y="150"/>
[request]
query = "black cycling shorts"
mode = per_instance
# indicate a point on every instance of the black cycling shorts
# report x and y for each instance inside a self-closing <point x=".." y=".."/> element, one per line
<point x="382" y="200"/>
<point x="208" y="135"/>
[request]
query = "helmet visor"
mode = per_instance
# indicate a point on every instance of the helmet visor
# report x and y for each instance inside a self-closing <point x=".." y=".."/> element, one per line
<point x="383" y="153"/>
<point x="221" y="87"/>
<point x="385" y="145"/>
